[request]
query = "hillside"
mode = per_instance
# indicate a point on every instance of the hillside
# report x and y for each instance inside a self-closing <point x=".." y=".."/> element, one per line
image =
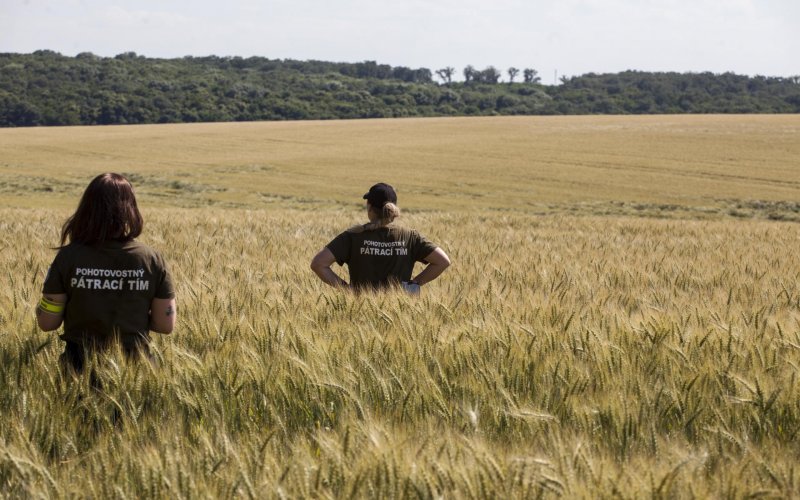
<point x="47" y="88"/>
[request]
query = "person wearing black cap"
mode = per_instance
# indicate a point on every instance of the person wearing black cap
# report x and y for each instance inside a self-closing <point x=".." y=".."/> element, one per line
<point x="380" y="253"/>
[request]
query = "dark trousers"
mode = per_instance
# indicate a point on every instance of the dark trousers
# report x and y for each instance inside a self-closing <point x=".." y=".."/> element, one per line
<point x="74" y="355"/>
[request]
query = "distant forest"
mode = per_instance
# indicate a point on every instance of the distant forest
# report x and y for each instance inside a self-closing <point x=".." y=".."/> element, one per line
<point x="47" y="88"/>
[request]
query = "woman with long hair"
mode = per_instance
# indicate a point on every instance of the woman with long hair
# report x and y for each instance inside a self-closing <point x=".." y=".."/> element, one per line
<point x="105" y="286"/>
<point x="380" y="253"/>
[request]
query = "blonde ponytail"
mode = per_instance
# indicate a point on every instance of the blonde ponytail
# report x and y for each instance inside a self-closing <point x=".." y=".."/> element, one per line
<point x="389" y="213"/>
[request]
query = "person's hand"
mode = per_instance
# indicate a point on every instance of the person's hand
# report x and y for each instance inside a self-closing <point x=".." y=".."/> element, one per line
<point x="411" y="287"/>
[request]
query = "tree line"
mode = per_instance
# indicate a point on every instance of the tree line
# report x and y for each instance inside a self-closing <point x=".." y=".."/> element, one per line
<point x="47" y="88"/>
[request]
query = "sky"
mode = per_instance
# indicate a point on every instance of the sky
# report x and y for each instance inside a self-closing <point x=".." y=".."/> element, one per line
<point x="557" y="38"/>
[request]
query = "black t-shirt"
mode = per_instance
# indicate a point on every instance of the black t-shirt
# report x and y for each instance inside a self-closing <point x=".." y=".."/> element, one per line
<point x="109" y="289"/>
<point x="378" y="257"/>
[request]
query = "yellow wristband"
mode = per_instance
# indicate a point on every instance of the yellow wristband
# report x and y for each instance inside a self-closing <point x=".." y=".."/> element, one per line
<point x="50" y="306"/>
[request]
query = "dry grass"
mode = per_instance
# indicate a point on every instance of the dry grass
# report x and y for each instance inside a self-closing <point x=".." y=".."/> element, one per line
<point x="561" y="355"/>
<point x="694" y="166"/>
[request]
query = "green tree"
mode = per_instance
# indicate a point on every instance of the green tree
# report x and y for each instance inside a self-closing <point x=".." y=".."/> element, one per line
<point x="488" y="75"/>
<point x="446" y="74"/>
<point x="530" y="75"/>
<point x="469" y="73"/>
<point x="512" y="73"/>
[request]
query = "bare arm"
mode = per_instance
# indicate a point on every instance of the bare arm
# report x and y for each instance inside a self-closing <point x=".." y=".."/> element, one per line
<point x="50" y="311"/>
<point x="162" y="315"/>
<point x="321" y="265"/>
<point x="437" y="261"/>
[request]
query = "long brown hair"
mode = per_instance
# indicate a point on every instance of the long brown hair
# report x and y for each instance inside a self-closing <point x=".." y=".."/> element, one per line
<point x="107" y="212"/>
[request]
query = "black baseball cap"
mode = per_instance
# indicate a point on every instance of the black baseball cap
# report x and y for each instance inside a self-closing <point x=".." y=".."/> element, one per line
<point x="380" y="194"/>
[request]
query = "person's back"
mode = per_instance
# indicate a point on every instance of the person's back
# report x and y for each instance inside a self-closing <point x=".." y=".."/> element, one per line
<point x="110" y="287"/>
<point x="104" y="285"/>
<point x="380" y="253"/>
<point x="380" y="256"/>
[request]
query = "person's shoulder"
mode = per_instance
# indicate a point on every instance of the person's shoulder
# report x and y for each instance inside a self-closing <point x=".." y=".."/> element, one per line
<point x="403" y="230"/>
<point x="142" y="250"/>
<point x="357" y="229"/>
<point x="74" y="254"/>
<point x="137" y="246"/>
<point x="342" y="237"/>
<point x="72" y="249"/>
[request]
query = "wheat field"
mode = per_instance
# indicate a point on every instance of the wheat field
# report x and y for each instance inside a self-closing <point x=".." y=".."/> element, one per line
<point x="591" y="339"/>
<point x="684" y="166"/>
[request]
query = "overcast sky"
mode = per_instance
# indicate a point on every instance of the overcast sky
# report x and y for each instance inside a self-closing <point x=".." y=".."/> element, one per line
<point x="571" y="37"/>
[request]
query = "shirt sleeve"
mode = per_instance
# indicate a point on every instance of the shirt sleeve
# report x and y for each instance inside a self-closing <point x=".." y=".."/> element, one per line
<point x="421" y="247"/>
<point x="54" y="281"/>
<point x="340" y="247"/>
<point x="164" y="289"/>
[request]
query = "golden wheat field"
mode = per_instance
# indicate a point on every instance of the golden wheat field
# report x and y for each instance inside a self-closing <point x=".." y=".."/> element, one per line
<point x="621" y="319"/>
